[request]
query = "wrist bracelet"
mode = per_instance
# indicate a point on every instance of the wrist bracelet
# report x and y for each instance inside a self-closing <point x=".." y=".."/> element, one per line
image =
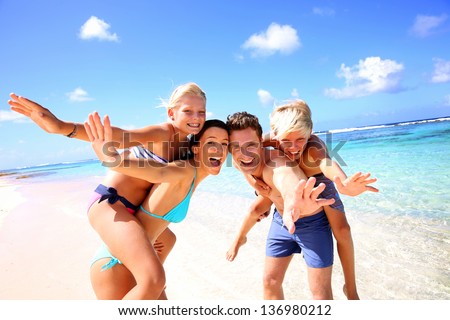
<point x="74" y="131"/>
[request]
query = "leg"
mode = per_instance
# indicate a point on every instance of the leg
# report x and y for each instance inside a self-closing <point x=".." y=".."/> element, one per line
<point x="116" y="282"/>
<point x="280" y="247"/>
<point x="319" y="280"/>
<point x="274" y="272"/>
<point x="163" y="246"/>
<point x="113" y="283"/>
<point x="344" y="241"/>
<point x="127" y="240"/>
<point x="313" y="234"/>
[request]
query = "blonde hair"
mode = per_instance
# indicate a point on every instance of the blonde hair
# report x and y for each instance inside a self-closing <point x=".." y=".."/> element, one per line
<point x="290" y="117"/>
<point x="189" y="88"/>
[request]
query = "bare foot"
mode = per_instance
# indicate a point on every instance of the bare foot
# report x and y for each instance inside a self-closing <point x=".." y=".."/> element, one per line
<point x="234" y="249"/>
<point x="353" y="296"/>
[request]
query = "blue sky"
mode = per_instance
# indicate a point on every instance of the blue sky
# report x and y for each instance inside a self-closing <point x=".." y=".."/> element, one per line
<point x="355" y="62"/>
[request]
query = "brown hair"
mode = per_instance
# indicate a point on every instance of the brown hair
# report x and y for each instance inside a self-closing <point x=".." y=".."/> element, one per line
<point x="244" y="120"/>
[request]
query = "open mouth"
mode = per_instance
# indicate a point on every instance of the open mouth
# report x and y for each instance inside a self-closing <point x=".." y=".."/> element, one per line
<point x="215" y="162"/>
<point x="293" y="155"/>
<point x="247" y="163"/>
<point x="194" y="125"/>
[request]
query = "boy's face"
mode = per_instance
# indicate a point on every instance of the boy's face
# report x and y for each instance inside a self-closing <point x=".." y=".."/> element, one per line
<point x="246" y="149"/>
<point x="293" y="144"/>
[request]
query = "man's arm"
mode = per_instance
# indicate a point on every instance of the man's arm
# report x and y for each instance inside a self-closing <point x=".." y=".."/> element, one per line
<point x="261" y="188"/>
<point x="254" y="214"/>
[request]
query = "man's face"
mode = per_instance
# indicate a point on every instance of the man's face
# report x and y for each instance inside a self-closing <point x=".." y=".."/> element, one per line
<point x="246" y="149"/>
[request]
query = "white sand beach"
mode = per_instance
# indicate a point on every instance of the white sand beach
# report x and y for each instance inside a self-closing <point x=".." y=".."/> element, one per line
<point x="46" y="244"/>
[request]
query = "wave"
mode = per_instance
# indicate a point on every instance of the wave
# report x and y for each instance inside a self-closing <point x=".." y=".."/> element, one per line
<point x="386" y="125"/>
<point x="42" y="165"/>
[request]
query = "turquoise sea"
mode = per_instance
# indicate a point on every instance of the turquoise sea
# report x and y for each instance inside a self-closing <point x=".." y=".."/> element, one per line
<point x="401" y="234"/>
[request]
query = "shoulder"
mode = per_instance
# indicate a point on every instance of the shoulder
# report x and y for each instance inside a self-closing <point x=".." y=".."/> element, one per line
<point x="275" y="158"/>
<point x="315" y="149"/>
<point x="178" y="171"/>
<point x="156" y="132"/>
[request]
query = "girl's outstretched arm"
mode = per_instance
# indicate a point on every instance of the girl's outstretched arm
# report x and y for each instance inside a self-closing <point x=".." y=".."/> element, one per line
<point x="43" y="117"/>
<point x="47" y="121"/>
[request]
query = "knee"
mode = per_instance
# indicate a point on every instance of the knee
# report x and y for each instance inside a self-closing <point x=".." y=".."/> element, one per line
<point x="325" y="293"/>
<point x="153" y="281"/>
<point x="343" y="232"/>
<point x="271" y="282"/>
<point x="170" y="240"/>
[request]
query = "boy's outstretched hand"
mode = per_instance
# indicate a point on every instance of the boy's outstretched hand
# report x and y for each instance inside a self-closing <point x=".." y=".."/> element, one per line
<point x="356" y="184"/>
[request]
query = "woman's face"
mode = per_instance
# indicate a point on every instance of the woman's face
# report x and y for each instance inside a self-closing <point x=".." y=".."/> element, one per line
<point x="212" y="149"/>
<point x="189" y="116"/>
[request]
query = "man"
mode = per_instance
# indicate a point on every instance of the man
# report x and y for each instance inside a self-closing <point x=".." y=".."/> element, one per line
<point x="299" y="223"/>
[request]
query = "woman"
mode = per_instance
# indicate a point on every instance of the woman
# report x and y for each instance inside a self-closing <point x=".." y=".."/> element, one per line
<point x="163" y="142"/>
<point x="167" y="201"/>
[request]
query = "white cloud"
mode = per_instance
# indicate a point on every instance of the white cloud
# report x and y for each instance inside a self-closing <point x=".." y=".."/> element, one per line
<point x="95" y="28"/>
<point x="425" y="25"/>
<point x="441" y="71"/>
<point x="79" y="95"/>
<point x="294" y="93"/>
<point x="324" y="11"/>
<point x="447" y="100"/>
<point x="369" y="76"/>
<point x="209" y="114"/>
<point x="265" y="97"/>
<point x="12" y="116"/>
<point x="276" y="38"/>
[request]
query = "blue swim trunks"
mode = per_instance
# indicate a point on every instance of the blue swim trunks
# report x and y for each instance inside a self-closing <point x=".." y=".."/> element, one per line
<point x="330" y="192"/>
<point x="312" y="236"/>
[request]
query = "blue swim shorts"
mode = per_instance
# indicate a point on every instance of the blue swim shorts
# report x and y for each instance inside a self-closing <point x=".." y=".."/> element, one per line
<point x="312" y="237"/>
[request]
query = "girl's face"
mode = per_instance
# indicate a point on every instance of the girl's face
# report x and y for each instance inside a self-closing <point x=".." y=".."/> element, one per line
<point x="293" y="144"/>
<point x="189" y="116"/>
<point x="212" y="149"/>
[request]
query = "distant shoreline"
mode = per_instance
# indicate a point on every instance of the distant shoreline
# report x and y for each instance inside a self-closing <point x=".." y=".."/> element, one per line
<point x="9" y="171"/>
<point x="385" y="125"/>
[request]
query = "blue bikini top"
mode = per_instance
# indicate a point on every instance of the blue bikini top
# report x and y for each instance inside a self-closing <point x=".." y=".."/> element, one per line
<point x="178" y="213"/>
